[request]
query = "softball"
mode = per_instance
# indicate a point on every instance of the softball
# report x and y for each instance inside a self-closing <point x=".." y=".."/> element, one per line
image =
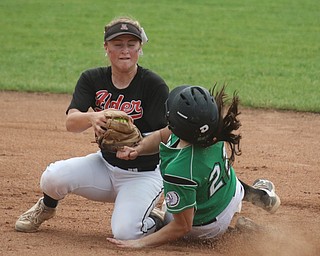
<point x="121" y="120"/>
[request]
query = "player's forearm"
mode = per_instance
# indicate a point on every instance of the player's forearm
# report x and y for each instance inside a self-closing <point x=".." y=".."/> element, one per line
<point x="150" y="144"/>
<point x="78" y="121"/>
<point x="168" y="233"/>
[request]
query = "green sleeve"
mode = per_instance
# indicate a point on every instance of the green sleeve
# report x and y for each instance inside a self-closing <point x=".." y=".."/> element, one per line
<point x="178" y="197"/>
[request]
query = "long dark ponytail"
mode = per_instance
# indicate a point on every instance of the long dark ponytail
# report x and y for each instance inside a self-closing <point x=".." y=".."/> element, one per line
<point x="228" y="122"/>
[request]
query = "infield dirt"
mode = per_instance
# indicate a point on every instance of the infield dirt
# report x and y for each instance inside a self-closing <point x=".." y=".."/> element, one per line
<point x="281" y="146"/>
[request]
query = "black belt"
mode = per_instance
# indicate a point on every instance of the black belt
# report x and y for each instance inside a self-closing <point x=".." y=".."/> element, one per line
<point x="140" y="169"/>
<point x="206" y="223"/>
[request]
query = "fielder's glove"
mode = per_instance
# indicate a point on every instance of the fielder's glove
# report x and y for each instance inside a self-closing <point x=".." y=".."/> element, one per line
<point x="120" y="131"/>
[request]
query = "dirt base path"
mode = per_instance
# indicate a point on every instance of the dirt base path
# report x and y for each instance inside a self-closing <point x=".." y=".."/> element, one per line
<point x="281" y="146"/>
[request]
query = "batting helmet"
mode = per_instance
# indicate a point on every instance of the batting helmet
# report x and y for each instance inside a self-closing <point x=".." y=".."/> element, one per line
<point x="192" y="114"/>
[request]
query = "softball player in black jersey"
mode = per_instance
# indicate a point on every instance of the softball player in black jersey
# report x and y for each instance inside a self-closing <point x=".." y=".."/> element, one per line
<point x="134" y="186"/>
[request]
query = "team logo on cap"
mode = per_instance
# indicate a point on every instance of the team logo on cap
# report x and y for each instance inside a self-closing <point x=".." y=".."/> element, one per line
<point x="124" y="27"/>
<point x="172" y="198"/>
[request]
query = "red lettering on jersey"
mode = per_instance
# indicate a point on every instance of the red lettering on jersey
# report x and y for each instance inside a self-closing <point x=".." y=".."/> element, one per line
<point x="136" y="109"/>
<point x="116" y="104"/>
<point x="103" y="101"/>
<point x="102" y="97"/>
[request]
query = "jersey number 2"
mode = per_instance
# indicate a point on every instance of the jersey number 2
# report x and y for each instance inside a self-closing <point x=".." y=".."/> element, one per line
<point x="216" y="178"/>
<point x="216" y="183"/>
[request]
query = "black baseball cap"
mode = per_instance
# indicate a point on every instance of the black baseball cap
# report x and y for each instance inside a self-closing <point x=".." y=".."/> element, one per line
<point x="122" y="28"/>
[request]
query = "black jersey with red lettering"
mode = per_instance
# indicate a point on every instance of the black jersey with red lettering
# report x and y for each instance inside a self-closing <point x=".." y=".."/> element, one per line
<point x="143" y="100"/>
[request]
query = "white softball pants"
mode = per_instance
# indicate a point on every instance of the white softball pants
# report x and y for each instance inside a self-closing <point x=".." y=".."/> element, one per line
<point x="134" y="194"/>
<point x="223" y="221"/>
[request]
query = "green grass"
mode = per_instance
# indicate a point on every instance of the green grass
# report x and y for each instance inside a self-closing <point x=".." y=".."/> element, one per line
<point x="268" y="51"/>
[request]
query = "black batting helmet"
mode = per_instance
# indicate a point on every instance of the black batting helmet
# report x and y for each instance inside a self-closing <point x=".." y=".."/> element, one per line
<point x="192" y="114"/>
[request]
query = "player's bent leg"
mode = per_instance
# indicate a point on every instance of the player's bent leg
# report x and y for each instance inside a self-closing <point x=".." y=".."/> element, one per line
<point x="34" y="217"/>
<point x="136" y="198"/>
<point x="262" y="194"/>
<point x="85" y="176"/>
<point x="132" y="220"/>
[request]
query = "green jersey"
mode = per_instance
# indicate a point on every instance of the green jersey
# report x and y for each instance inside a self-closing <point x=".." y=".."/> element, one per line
<point x="196" y="177"/>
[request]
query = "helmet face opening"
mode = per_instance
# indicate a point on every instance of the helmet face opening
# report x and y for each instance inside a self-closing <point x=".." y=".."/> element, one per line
<point x="192" y="114"/>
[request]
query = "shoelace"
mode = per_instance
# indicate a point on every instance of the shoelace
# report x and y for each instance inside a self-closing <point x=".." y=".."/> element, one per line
<point x="33" y="216"/>
<point x="262" y="184"/>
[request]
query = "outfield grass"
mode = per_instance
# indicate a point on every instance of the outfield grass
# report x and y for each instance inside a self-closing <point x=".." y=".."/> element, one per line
<point x="267" y="50"/>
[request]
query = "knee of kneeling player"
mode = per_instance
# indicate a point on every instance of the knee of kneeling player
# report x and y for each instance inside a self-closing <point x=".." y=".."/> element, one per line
<point x="126" y="232"/>
<point x="52" y="185"/>
<point x="130" y="228"/>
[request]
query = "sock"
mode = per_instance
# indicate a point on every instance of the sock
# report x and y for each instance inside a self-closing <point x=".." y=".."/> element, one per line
<point x="49" y="201"/>
<point x="253" y="194"/>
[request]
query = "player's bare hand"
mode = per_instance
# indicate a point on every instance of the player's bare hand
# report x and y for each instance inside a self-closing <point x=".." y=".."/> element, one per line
<point x="125" y="243"/>
<point x="98" y="121"/>
<point x="127" y="153"/>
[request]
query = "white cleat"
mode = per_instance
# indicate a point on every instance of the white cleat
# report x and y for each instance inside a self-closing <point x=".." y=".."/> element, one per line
<point x="271" y="201"/>
<point x="248" y="225"/>
<point x="158" y="217"/>
<point x="31" y="220"/>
